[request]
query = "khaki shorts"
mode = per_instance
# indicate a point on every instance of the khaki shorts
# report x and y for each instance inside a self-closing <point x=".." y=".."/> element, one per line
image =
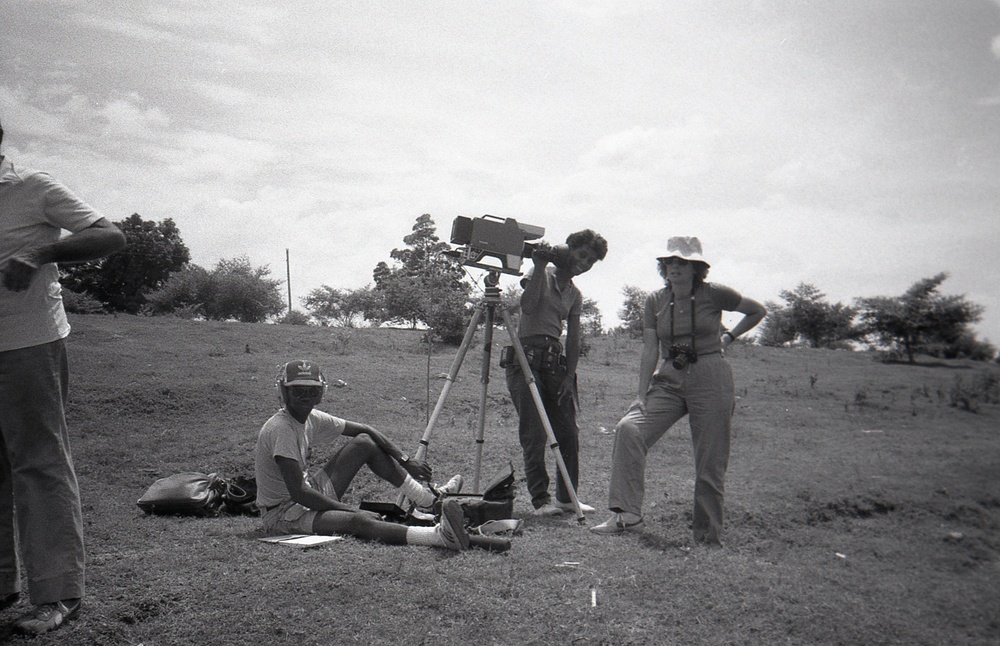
<point x="290" y="517"/>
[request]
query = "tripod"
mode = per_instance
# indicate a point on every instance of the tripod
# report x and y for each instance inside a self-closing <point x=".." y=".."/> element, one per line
<point x="488" y="307"/>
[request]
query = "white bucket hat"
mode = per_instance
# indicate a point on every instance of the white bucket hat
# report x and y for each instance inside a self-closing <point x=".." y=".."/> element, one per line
<point x="686" y="247"/>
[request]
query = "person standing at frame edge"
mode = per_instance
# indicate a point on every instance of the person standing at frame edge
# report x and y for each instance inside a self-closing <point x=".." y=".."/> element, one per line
<point x="683" y="324"/>
<point x="39" y="493"/>
<point x="550" y="299"/>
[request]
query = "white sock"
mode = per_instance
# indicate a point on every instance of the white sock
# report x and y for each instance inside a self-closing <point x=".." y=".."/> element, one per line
<point x="427" y="536"/>
<point x="418" y="493"/>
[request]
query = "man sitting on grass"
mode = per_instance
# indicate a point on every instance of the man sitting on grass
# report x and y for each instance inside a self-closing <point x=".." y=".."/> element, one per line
<point x="292" y="501"/>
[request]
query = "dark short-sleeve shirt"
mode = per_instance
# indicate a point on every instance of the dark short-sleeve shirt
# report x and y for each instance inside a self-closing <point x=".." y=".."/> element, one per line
<point x="710" y="300"/>
<point x="555" y="307"/>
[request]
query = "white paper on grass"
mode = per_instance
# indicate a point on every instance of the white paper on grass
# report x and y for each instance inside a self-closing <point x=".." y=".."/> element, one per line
<point x="301" y="540"/>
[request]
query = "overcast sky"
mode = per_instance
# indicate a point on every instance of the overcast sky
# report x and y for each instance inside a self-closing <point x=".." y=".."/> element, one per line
<point x="850" y="144"/>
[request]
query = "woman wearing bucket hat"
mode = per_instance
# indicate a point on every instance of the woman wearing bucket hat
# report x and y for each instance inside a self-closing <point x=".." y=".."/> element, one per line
<point x="681" y="323"/>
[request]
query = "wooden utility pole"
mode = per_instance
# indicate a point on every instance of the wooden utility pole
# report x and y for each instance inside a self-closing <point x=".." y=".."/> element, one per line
<point x="288" y="280"/>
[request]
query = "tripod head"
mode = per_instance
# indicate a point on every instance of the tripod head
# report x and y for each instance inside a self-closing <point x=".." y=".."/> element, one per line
<point x="492" y="282"/>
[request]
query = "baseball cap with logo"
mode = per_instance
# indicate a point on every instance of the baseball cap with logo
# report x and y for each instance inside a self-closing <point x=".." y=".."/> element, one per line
<point x="301" y="373"/>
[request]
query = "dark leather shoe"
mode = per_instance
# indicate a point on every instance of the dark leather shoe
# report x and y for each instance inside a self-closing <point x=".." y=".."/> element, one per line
<point x="10" y="600"/>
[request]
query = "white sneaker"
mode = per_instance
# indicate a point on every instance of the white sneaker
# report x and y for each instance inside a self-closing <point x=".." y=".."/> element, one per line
<point x="452" y="486"/>
<point x="568" y="507"/>
<point x="46" y="617"/>
<point x="500" y="526"/>
<point x="548" y="509"/>
<point x="452" y="526"/>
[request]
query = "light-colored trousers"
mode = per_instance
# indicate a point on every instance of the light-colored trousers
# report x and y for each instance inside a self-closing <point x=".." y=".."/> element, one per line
<point x="704" y="391"/>
<point x="40" y="512"/>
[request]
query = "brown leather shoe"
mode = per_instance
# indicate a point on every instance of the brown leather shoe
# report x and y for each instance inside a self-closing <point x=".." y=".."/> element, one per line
<point x="10" y="600"/>
<point x="618" y="525"/>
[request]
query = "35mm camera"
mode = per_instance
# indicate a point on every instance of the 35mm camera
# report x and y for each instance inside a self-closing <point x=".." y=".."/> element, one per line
<point x="682" y="355"/>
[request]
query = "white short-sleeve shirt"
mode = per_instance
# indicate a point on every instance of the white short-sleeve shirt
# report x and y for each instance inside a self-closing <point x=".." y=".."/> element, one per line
<point x="284" y="436"/>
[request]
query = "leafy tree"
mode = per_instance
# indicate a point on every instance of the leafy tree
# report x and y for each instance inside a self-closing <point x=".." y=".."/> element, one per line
<point x="632" y="310"/>
<point x="590" y="318"/>
<point x="233" y="290"/>
<point x="331" y="306"/>
<point x="510" y="299"/>
<point x="184" y="293"/>
<point x="154" y="251"/>
<point x="778" y="328"/>
<point x="970" y="347"/>
<point x="397" y="297"/>
<point x="807" y="314"/>
<point x="244" y="292"/>
<point x="425" y="285"/>
<point x="920" y="321"/>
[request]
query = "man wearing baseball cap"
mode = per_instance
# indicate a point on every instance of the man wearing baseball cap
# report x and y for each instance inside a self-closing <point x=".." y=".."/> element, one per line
<point x="293" y="500"/>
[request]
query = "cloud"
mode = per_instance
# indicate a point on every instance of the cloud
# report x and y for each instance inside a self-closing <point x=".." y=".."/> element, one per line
<point x="643" y="165"/>
<point x="19" y="113"/>
<point x="680" y="151"/>
<point x="127" y="119"/>
<point x="815" y="143"/>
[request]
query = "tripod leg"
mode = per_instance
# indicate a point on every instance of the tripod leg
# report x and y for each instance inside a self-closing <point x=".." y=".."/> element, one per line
<point x="456" y="365"/>
<point x="484" y="394"/>
<point x="522" y="360"/>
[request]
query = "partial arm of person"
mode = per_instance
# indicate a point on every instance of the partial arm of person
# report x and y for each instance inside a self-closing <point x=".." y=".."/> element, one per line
<point x="647" y="366"/>
<point x="568" y="386"/>
<point x="534" y="290"/>
<point x="753" y="313"/>
<point x="419" y="469"/>
<point x="100" y="239"/>
<point x="302" y="493"/>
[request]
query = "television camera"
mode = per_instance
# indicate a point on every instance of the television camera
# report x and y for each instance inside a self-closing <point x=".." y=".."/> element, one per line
<point x="503" y="239"/>
<point x="507" y="241"/>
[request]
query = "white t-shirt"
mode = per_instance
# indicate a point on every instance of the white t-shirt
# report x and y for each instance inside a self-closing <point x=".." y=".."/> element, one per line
<point x="284" y="436"/>
<point x="34" y="210"/>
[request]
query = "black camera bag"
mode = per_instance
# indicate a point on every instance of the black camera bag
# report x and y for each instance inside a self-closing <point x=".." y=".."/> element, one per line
<point x="495" y="503"/>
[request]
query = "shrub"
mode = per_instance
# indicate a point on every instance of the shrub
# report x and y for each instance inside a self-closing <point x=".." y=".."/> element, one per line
<point x="984" y="389"/>
<point x="81" y="303"/>
<point x="295" y="317"/>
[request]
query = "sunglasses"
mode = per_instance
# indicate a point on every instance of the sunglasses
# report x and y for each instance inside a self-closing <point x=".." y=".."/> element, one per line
<point x="302" y="392"/>
<point x="672" y="260"/>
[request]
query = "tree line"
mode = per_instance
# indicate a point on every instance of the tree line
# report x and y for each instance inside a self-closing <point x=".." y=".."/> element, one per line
<point x="423" y="285"/>
<point x="922" y="320"/>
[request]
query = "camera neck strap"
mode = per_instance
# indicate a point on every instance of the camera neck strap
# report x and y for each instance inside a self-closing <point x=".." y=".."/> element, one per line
<point x="672" y="320"/>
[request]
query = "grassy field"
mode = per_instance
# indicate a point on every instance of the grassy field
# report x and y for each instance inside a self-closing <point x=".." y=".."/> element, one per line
<point x="863" y="502"/>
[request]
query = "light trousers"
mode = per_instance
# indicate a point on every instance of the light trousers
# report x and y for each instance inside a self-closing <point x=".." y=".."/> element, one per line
<point x="41" y="522"/>
<point x="704" y="392"/>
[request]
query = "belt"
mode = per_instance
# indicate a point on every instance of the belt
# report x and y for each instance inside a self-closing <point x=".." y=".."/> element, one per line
<point x="541" y="342"/>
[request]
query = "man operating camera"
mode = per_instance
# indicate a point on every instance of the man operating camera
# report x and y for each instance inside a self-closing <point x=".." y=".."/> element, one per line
<point x="550" y="301"/>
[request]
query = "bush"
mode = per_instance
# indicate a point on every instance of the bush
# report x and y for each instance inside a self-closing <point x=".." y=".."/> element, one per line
<point x="233" y="290"/>
<point x="984" y="389"/>
<point x="187" y="289"/>
<point x="969" y="347"/>
<point x="77" y="303"/>
<point x="295" y="317"/>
